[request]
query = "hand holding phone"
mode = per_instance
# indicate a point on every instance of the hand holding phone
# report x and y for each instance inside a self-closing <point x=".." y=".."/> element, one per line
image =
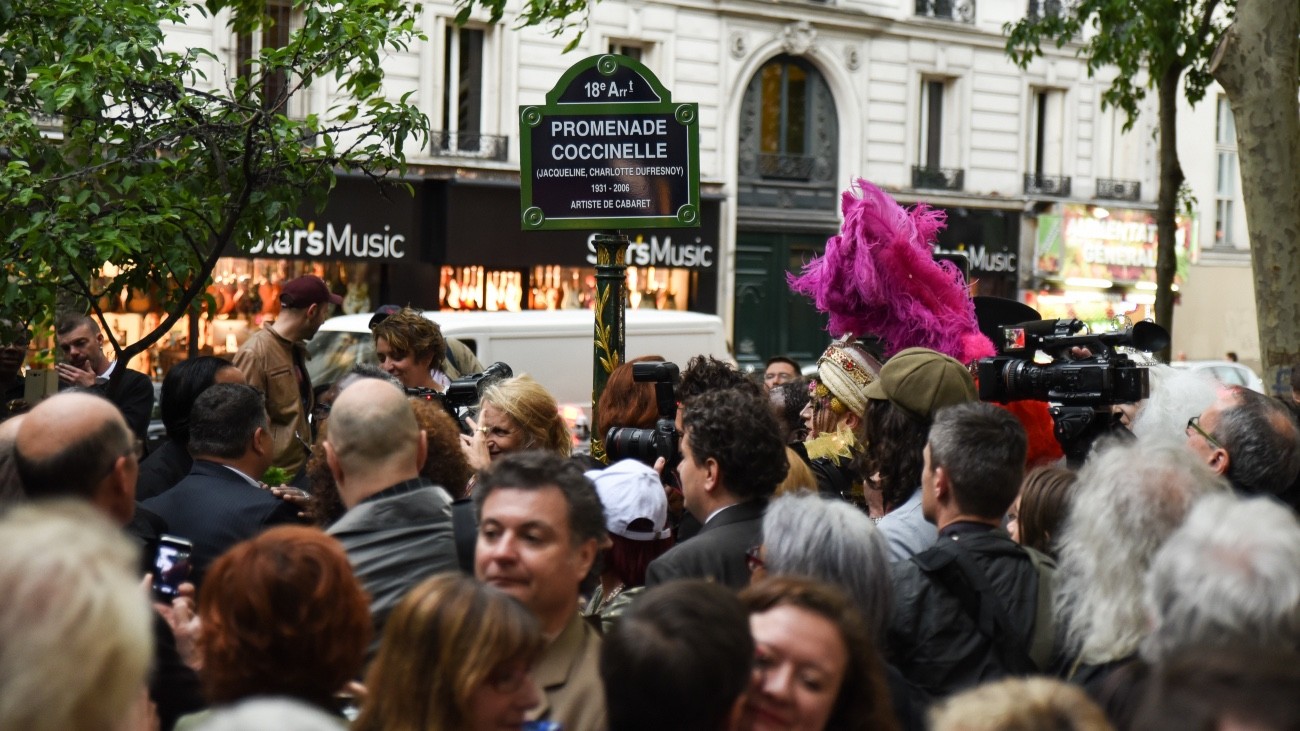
<point x="171" y="567"/>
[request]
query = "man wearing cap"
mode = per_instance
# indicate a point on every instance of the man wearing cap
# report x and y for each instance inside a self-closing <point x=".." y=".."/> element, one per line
<point x="836" y="404"/>
<point x="274" y="360"/>
<point x="913" y="385"/>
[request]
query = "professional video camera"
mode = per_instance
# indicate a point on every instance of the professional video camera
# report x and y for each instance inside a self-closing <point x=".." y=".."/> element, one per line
<point x="463" y="394"/>
<point x="1086" y="377"/>
<point x="1105" y="376"/>
<point x="647" y="445"/>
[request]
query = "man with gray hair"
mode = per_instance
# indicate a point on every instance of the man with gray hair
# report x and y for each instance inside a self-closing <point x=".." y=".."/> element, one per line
<point x="397" y="528"/>
<point x="1229" y="577"/>
<point x="1128" y="499"/>
<point x="1250" y="439"/>
<point x="976" y="606"/>
<point x="221" y="501"/>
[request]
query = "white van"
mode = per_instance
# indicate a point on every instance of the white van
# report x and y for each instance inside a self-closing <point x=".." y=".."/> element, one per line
<point x="552" y="346"/>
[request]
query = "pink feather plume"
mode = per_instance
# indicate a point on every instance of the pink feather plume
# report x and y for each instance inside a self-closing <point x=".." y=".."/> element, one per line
<point x="879" y="277"/>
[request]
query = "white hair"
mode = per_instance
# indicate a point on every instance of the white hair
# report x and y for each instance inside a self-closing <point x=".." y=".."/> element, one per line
<point x="1230" y="576"/>
<point x="270" y="714"/>
<point x="1176" y="396"/>
<point x="74" y="622"/>
<point x="805" y="534"/>
<point x="1129" y="498"/>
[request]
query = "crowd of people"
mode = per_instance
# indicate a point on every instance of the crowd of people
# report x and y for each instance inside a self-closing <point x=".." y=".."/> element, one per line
<point x="871" y="548"/>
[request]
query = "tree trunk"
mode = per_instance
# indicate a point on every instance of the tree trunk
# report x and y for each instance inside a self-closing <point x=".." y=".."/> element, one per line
<point x="1171" y="180"/>
<point x="1258" y="65"/>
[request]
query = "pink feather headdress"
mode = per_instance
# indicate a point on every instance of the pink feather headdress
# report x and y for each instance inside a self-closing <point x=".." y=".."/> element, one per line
<point x="879" y="277"/>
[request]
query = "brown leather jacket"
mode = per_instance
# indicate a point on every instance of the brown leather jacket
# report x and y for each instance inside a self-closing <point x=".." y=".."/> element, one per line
<point x="268" y="362"/>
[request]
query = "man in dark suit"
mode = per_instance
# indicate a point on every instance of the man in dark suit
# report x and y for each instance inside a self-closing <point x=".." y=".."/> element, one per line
<point x="733" y="458"/>
<point x="76" y="445"/>
<point x="397" y="528"/>
<point x="220" y="502"/>
<point x="84" y="365"/>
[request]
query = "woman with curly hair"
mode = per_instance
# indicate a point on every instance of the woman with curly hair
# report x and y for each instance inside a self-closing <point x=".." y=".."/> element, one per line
<point x="410" y="347"/>
<point x="282" y="615"/>
<point x="456" y="655"/>
<point x="816" y="666"/>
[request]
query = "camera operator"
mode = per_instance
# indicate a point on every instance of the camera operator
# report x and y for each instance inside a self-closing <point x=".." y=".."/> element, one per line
<point x="410" y="347"/>
<point x="515" y="414"/>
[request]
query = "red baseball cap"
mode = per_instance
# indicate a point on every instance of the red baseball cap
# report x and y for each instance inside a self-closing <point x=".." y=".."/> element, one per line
<point x="307" y="291"/>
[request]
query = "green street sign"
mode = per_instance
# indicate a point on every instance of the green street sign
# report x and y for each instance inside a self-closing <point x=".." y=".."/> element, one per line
<point x="609" y="150"/>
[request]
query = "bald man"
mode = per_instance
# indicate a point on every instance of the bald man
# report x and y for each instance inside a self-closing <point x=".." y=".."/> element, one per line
<point x="78" y="445"/>
<point x="397" y="530"/>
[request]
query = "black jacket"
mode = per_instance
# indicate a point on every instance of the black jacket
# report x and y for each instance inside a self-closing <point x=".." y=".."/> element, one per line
<point x="937" y="642"/>
<point x="215" y="508"/>
<point x="717" y="552"/>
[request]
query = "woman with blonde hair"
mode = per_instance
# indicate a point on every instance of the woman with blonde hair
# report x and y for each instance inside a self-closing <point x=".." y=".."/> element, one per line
<point x="456" y="655"/>
<point x="514" y="415"/>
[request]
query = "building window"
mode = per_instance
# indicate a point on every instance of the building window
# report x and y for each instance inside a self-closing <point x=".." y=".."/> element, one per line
<point x="630" y="50"/>
<point x="1045" y="173"/>
<point x="462" y="88"/>
<point x="1047" y="146"/>
<point x="788" y="126"/>
<point x="937" y="137"/>
<point x="783" y="120"/>
<point x="273" y="33"/>
<point x="1225" y="188"/>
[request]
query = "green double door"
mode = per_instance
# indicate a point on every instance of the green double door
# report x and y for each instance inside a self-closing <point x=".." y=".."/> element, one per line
<point x="770" y="319"/>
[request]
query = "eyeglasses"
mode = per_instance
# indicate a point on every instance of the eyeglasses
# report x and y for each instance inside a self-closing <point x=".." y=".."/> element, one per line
<point x="1194" y="424"/>
<point x="754" y="558"/>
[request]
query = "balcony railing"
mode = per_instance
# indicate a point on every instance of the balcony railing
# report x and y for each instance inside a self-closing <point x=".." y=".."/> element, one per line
<point x="1119" y="190"/>
<point x="470" y="144"/>
<point x="938" y="178"/>
<point x="785" y="167"/>
<point x="1053" y="185"/>
<point x="959" y="11"/>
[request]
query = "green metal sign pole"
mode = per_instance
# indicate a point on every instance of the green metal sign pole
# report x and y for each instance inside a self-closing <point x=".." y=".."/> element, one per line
<point x="610" y="344"/>
<point x="611" y="150"/>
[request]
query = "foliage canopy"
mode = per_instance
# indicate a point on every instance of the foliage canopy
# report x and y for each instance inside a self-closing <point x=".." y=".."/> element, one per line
<point x="127" y="163"/>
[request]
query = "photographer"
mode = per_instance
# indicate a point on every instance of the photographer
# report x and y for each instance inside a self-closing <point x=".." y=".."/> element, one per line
<point x="515" y="414"/>
<point x="410" y="347"/>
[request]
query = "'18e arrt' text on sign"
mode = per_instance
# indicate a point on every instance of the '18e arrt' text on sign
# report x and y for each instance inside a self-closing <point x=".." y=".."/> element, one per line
<point x="625" y="164"/>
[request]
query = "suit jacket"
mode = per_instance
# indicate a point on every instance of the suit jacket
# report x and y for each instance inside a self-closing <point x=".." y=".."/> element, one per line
<point x="717" y="552"/>
<point x="569" y="675"/>
<point x="395" y="539"/>
<point x="162" y="469"/>
<point x="214" y="509"/>
<point x="132" y="395"/>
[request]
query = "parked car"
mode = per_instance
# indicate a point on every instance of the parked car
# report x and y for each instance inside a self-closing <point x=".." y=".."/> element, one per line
<point x="1225" y="372"/>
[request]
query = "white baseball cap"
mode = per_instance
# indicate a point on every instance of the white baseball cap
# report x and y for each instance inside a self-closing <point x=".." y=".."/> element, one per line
<point x="636" y="507"/>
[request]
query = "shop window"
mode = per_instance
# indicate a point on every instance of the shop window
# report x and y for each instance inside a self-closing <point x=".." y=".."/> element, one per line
<point x="555" y="287"/>
<point x="1225" y="188"/>
<point x="273" y="33"/>
<point x="462" y="91"/>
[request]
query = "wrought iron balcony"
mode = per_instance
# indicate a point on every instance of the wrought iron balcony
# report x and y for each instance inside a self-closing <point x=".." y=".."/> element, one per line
<point x="1119" y="190"/>
<point x="938" y="178"/>
<point x="1053" y="185"/>
<point x="786" y="167"/>
<point x="959" y="11"/>
<point x="470" y="144"/>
